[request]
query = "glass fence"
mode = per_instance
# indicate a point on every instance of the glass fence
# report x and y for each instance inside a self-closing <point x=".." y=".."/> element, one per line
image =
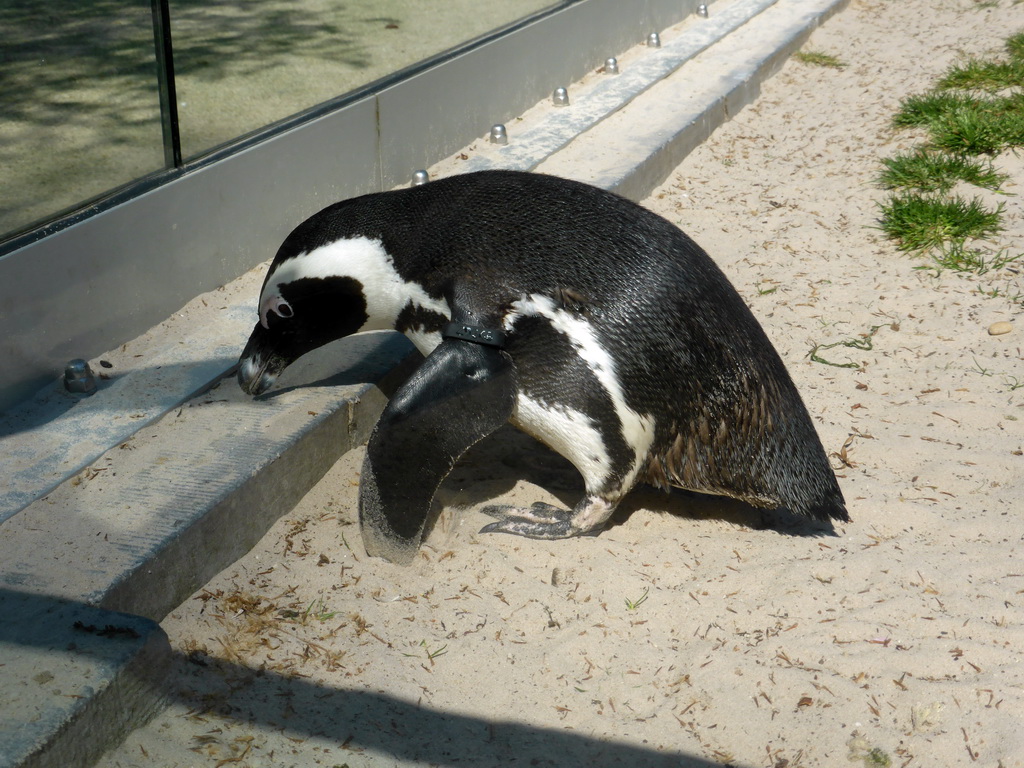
<point x="80" y="105"/>
<point x="79" y="111"/>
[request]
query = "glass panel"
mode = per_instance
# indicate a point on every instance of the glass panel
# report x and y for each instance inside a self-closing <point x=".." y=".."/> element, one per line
<point x="79" y="106"/>
<point x="241" y="64"/>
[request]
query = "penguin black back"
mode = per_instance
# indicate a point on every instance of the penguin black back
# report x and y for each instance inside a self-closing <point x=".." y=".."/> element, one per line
<point x="619" y="328"/>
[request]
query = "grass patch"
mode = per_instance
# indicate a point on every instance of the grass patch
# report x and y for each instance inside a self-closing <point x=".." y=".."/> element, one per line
<point x="918" y="222"/>
<point x="1009" y="116"/>
<point x="965" y="124"/>
<point x="819" y="59"/>
<point x="924" y="109"/>
<point x="959" y="258"/>
<point x="632" y="605"/>
<point x="964" y="130"/>
<point x="984" y="75"/>
<point x="1015" y="46"/>
<point x="985" y="128"/>
<point x="931" y="171"/>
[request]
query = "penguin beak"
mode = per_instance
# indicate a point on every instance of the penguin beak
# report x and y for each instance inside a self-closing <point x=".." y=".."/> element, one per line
<point x="260" y="363"/>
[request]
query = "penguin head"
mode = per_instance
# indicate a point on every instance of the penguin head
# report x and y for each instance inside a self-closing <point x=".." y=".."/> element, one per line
<point x="296" y="317"/>
<point x="313" y="296"/>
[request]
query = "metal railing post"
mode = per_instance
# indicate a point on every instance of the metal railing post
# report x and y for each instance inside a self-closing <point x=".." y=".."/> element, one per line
<point x="165" y="79"/>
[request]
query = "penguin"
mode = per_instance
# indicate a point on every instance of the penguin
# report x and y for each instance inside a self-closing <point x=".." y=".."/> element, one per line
<point x="582" y="318"/>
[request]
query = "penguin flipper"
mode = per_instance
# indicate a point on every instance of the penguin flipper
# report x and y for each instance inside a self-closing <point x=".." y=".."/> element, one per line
<point x="460" y="394"/>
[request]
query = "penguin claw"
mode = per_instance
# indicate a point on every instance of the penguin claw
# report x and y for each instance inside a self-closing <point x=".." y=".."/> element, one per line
<point x="538" y="521"/>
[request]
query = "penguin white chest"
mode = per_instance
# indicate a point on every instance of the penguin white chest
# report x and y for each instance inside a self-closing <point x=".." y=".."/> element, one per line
<point x="569" y="433"/>
<point x="568" y="430"/>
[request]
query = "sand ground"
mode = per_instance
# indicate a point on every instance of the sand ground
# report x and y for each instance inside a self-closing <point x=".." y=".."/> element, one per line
<point x="693" y="631"/>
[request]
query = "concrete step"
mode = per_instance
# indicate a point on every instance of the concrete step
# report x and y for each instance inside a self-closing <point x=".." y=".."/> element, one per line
<point x="627" y="132"/>
<point x="74" y="677"/>
<point x="547" y="129"/>
<point x="88" y="570"/>
<point x="637" y="147"/>
<point x="115" y="534"/>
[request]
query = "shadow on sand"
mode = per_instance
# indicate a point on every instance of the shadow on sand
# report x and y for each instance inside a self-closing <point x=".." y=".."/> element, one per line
<point x="356" y="721"/>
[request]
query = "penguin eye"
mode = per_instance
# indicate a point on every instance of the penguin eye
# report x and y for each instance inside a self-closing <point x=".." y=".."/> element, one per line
<point x="278" y="306"/>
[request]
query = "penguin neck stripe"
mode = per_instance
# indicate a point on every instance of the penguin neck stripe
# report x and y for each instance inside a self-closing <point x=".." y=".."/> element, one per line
<point x="486" y="336"/>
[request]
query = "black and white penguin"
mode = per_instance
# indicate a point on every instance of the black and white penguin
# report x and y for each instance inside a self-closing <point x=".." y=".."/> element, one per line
<point x="584" y="319"/>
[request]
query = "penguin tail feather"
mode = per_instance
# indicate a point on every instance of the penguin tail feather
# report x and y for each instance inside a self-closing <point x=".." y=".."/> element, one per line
<point x="834" y="508"/>
<point x="812" y="492"/>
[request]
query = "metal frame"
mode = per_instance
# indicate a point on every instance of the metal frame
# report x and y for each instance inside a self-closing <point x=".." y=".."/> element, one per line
<point x="165" y="82"/>
<point x="84" y="284"/>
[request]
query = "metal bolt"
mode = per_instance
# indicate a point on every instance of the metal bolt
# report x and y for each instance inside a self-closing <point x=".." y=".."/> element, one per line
<point x="78" y="377"/>
<point x="702" y="11"/>
<point x="654" y="40"/>
<point x="611" y="66"/>
<point x="560" y="98"/>
<point x="419" y="178"/>
<point x="498" y="134"/>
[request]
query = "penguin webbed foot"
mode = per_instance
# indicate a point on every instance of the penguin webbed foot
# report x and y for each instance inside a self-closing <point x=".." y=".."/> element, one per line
<point x="538" y="521"/>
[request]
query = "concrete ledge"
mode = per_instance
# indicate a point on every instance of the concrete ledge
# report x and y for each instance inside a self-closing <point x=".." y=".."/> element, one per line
<point x="76" y="680"/>
<point x="56" y="434"/>
<point x="600" y="96"/>
<point x="216" y="499"/>
<point x="154" y="519"/>
<point x="146" y="526"/>
<point x="635" y="149"/>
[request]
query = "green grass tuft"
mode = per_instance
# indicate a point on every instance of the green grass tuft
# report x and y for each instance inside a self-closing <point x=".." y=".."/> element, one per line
<point x="1015" y="46"/>
<point x="986" y="127"/>
<point x="632" y="605"/>
<point x="919" y="222"/>
<point x="984" y="75"/>
<point x="970" y="131"/>
<point x="959" y="258"/>
<point x="819" y="59"/>
<point x="1008" y="114"/>
<point x="929" y="171"/>
<point x="924" y="109"/>
<point x="962" y="125"/>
